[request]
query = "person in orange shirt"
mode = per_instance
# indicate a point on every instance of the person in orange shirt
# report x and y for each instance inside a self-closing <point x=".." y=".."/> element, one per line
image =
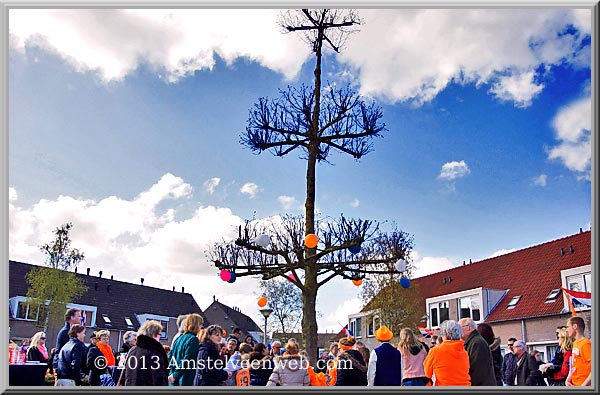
<point x="581" y="368"/>
<point x="448" y="363"/>
<point x="105" y="348"/>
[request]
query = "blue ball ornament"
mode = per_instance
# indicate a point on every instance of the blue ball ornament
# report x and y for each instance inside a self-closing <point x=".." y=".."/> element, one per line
<point x="405" y="282"/>
<point x="354" y="249"/>
<point x="232" y="279"/>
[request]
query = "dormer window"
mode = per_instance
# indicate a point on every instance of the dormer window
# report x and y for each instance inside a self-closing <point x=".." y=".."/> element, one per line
<point x="106" y="319"/>
<point x="128" y="322"/>
<point x="552" y="295"/>
<point x="513" y="302"/>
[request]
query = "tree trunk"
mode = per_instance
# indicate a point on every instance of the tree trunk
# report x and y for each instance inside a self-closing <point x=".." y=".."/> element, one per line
<point x="309" y="313"/>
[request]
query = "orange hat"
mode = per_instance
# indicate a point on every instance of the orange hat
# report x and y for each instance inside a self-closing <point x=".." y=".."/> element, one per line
<point x="383" y="334"/>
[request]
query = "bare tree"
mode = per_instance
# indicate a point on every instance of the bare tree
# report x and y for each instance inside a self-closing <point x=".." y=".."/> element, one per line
<point x="313" y="120"/>
<point x="285" y="299"/>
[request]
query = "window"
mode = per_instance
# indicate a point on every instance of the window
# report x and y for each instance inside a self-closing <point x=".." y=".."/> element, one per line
<point x="444" y="311"/>
<point x="552" y="296"/>
<point x="513" y="302"/>
<point x="165" y="329"/>
<point x="438" y="313"/>
<point x="433" y="314"/>
<point x="373" y="326"/>
<point x="358" y="332"/>
<point x="577" y="279"/>
<point x="128" y="322"/>
<point x="469" y="308"/>
<point x="22" y="309"/>
<point x="106" y="319"/>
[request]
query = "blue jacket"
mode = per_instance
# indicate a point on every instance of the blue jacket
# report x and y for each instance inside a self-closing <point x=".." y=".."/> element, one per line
<point x="389" y="365"/>
<point x="71" y="361"/>
<point x="209" y="366"/>
<point x="509" y="368"/>
<point x="61" y="339"/>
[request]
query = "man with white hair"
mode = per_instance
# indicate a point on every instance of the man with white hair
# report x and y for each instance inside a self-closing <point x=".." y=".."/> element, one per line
<point x="481" y="365"/>
<point x="527" y="372"/>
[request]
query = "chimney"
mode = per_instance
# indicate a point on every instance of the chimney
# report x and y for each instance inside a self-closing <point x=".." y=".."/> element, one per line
<point x="100" y="274"/>
<point x="580" y="230"/>
<point x="182" y="290"/>
<point x="111" y="276"/>
<point x="214" y="298"/>
<point x="463" y="263"/>
<point x="75" y="269"/>
<point x="173" y="288"/>
<point x="88" y="271"/>
<point x="470" y="261"/>
<point x="142" y="280"/>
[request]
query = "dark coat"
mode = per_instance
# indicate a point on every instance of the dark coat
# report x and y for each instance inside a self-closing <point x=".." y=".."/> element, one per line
<point x="33" y="354"/>
<point x="94" y="355"/>
<point x="260" y="375"/>
<point x="527" y="371"/>
<point x="497" y="360"/>
<point x="185" y="348"/>
<point x="351" y="369"/>
<point x="71" y="361"/>
<point x="149" y="361"/>
<point x="509" y="368"/>
<point x="209" y="366"/>
<point x="61" y="339"/>
<point x="481" y="366"/>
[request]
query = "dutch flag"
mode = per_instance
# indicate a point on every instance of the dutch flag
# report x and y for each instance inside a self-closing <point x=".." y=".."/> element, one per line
<point x="584" y="298"/>
<point x="425" y="332"/>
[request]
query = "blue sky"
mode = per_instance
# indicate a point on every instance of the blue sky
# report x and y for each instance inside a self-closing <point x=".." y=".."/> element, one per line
<point x="127" y="123"/>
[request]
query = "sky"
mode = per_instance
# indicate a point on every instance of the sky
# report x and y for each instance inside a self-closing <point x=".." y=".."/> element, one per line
<point x="127" y="123"/>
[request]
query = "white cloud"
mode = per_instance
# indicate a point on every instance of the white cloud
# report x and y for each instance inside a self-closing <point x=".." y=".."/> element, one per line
<point x="573" y="125"/>
<point x="427" y="265"/>
<point x="454" y="170"/>
<point x="12" y="194"/>
<point x="211" y="184"/>
<point x="399" y="55"/>
<point x="520" y="88"/>
<point x="130" y="238"/>
<point x="355" y="203"/>
<point x="413" y="54"/>
<point x="249" y="189"/>
<point x="115" y="42"/>
<point x="502" y="252"/>
<point x="540" y="180"/>
<point x="287" y="202"/>
<point x="336" y="320"/>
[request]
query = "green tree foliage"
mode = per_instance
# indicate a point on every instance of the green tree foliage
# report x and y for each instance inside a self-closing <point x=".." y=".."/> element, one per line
<point x="285" y="299"/>
<point x="53" y="287"/>
<point x="395" y="306"/>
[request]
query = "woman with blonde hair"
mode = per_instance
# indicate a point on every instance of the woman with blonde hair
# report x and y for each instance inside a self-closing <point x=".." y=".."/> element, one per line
<point x="290" y="369"/>
<point x="184" y="351"/>
<point x="37" y="348"/>
<point x="413" y="355"/>
<point x="557" y="374"/>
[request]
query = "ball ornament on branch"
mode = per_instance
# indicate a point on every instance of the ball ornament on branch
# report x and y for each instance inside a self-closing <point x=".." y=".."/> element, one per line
<point x="311" y="240"/>
<point x="262" y="301"/>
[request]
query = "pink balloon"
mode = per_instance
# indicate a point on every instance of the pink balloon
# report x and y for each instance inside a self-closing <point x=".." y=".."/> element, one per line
<point x="225" y="275"/>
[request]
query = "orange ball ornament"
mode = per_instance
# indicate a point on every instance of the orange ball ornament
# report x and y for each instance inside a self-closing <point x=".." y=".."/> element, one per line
<point x="358" y="282"/>
<point x="262" y="301"/>
<point x="311" y="240"/>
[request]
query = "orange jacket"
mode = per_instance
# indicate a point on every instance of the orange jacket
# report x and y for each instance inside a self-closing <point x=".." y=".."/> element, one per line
<point x="449" y="362"/>
<point x="108" y="354"/>
<point x="316" y="379"/>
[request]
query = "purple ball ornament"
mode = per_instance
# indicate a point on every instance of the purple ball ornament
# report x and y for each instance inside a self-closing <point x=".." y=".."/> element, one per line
<point x="232" y="277"/>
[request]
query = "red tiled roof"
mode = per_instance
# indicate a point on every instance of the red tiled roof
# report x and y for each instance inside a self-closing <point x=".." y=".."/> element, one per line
<point x="538" y="268"/>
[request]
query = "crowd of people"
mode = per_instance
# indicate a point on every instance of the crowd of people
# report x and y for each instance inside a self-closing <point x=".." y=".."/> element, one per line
<point x="464" y="354"/>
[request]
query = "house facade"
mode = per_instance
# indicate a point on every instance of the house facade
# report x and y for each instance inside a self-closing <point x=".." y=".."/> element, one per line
<point x="518" y="294"/>
<point x="108" y="304"/>
<point x="231" y="317"/>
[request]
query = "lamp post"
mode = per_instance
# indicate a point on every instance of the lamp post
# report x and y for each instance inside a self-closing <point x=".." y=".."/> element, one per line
<point x="266" y="312"/>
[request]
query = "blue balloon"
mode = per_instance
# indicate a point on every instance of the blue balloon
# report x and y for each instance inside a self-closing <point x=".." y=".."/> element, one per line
<point x="405" y="282"/>
<point x="354" y="249"/>
<point x="232" y="279"/>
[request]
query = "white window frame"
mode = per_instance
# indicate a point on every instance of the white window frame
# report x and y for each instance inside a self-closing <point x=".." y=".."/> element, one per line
<point x="373" y="326"/>
<point x="85" y="307"/>
<point x="566" y="274"/>
<point x="474" y="292"/>
<point x="514" y="301"/>
<point x="15" y="301"/>
<point x="160" y="318"/>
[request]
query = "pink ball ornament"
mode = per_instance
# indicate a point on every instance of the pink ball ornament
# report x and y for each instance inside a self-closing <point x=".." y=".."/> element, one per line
<point x="225" y="275"/>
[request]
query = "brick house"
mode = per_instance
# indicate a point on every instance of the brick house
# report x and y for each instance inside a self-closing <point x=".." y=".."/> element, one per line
<point x="108" y="304"/>
<point x="518" y="294"/>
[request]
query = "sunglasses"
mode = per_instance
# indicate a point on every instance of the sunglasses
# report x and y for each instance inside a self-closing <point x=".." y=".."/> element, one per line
<point x="42" y="338"/>
<point x="510" y="344"/>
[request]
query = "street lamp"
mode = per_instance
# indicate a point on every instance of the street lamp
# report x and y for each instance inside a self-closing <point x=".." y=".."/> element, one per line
<point x="266" y="312"/>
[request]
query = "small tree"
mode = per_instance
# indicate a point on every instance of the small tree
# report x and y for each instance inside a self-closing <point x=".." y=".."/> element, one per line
<point x="396" y="307"/>
<point x="53" y="287"/>
<point x="285" y="299"/>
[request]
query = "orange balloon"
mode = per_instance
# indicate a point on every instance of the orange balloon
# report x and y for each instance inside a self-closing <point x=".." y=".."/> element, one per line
<point x="311" y="240"/>
<point x="262" y="301"/>
<point x="358" y="282"/>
